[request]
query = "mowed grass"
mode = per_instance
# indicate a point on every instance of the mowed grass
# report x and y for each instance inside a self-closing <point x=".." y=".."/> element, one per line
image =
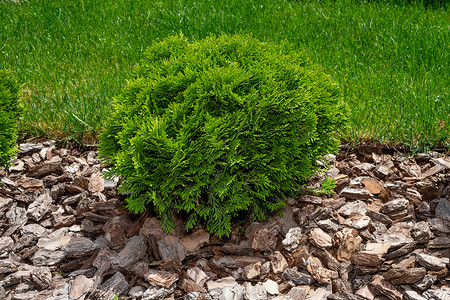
<point x="390" y="58"/>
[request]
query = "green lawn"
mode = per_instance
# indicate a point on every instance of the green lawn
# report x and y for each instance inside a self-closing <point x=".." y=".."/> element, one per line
<point x="391" y="59"/>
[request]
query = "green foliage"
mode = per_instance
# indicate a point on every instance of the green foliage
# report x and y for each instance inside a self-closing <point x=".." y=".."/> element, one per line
<point x="327" y="186"/>
<point x="10" y="111"/>
<point x="218" y="126"/>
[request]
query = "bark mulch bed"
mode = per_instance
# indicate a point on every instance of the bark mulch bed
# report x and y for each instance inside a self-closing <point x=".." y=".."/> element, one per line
<point x="384" y="234"/>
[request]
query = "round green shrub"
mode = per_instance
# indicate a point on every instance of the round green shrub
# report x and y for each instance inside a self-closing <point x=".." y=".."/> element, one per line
<point x="218" y="126"/>
<point x="10" y="111"/>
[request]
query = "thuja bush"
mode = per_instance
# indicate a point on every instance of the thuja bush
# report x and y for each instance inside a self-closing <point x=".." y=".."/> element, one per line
<point x="220" y="126"/>
<point x="10" y="111"/>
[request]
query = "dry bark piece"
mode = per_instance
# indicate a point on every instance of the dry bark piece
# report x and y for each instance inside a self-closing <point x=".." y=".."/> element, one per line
<point x="426" y="282"/>
<point x="438" y="294"/>
<point x="115" y="235"/>
<point x="298" y="278"/>
<point x="39" y="207"/>
<point x="271" y="225"/>
<point x="441" y="161"/>
<point x="96" y="183"/>
<point x="278" y="262"/>
<point x="75" y="199"/>
<point x="433" y="171"/>
<point x="319" y="294"/>
<point x="431" y="262"/>
<point x="293" y="239"/>
<point x="356" y="194"/>
<point x="43" y="170"/>
<point x="310" y="199"/>
<point x="18" y="166"/>
<point x="189" y="286"/>
<point x="353" y="208"/>
<point x="377" y="248"/>
<point x="107" y="205"/>
<point x="16" y="217"/>
<point x="394" y="206"/>
<point x="358" y="221"/>
<point x="366" y="259"/>
<point x="347" y="242"/>
<point x="96" y="217"/>
<point x="171" y="248"/>
<point x="283" y="223"/>
<point x="284" y="288"/>
<point x="397" y="235"/>
<point x="439" y="242"/>
<point x="5" y="244"/>
<point x="409" y="262"/>
<point x="193" y="242"/>
<point x="385" y="168"/>
<point x="103" y="255"/>
<point x="79" y="247"/>
<point x="345" y="296"/>
<point x="197" y="275"/>
<point x="44" y="257"/>
<point x="406" y="249"/>
<point x="339" y="285"/>
<point x="64" y="221"/>
<point x="252" y="271"/>
<point x="29" y="148"/>
<point x="320" y="238"/>
<point x="30" y="183"/>
<point x="364" y="168"/>
<point x="374" y="187"/>
<point x="327" y="259"/>
<point x="151" y="229"/>
<point x="334" y="204"/>
<point x="328" y="225"/>
<point x="405" y="275"/>
<point x="366" y="293"/>
<point x="264" y="240"/>
<point x="379" y="217"/>
<point x="81" y="182"/>
<point x="271" y="287"/>
<point x="384" y="288"/>
<point x="16" y="278"/>
<point x="134" y="250"/>
<point x="319" y="273"/>
<point x="238" y="261"/>
<point x="221" y="283"/>
<point x="53" y="243"/>
<point x="412" y="295"/>
<point x="41" y="277"/>
<point x="25" y="296"/>
<point x="443" y="209"/>
<point x="117" y="284"/>
<point x="156" y="292"/>
<point x="81" y="286"/>
<point x="440" y="274"/>
<point x="254" y="291"/>
<point x="5" y="203"/>
<point x="421" y="232"/>
<point x="35" y="230"/>
<point x="73" y="189"/>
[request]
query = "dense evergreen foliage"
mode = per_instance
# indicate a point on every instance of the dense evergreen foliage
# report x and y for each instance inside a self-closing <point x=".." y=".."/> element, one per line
<point x="10" y="110"/>
<point x="218" y="126"/>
